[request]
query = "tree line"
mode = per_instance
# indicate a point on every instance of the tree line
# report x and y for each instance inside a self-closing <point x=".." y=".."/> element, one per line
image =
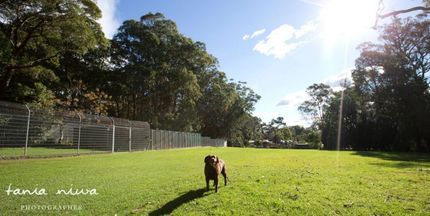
<point x="55" y="55"/>
<point x="386" y="106"/>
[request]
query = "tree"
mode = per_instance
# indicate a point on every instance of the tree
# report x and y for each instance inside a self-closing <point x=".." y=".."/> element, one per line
<point x="400" y="89"/>
<point x="157" y="70"/>
<point x="34" y="35"/>
<point x="225" y="109"/>
<point x="329" y="129"/>
<point x="252" y="129"/>
<point x="167" y="79"/>
<point x="84" y="82"/>
<point x="314" y="107"/>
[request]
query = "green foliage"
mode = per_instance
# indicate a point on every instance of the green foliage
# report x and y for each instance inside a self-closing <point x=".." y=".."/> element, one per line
<point x="225" y="111"/>
<point x="171" y="81"/>
<point x="274" y="131"/>
<point x="35" y="34"/>
<point x="84" y="82"/>
<point x="314" y="107"/>
<point x="310" y="136"/>
<point x="277" y="132"/>
<point x="156" y="73"/>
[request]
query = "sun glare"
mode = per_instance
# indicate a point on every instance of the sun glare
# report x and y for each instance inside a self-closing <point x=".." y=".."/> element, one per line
<point x="348" y="18"/>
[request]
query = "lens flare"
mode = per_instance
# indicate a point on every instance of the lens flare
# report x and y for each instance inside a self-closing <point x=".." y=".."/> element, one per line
<point x="348" y="18"/>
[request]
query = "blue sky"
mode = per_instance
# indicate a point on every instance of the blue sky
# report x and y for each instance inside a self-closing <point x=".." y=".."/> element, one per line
<point x="279" y="47"/>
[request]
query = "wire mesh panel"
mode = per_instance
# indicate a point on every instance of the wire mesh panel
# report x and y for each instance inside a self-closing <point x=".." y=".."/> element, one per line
<point x="122" y="139"/>
<point x="51" y="132"/>
<point x="140" y="135"/>
<point x="163" y="139"/>
<point x="13" y="129"/>
<point x="140" y="139"/>
<point x="207" y="141"/>
<point x="96" y="134"/>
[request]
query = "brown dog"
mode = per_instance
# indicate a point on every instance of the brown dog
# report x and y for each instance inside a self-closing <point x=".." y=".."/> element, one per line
<point x="213" y="167"/>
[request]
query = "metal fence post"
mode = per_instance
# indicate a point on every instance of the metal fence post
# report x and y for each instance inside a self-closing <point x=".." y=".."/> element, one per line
<point x="152" y="139"/>
<point x="28" y="129"/>
<point x="129" y="139"/>
<point x="113" y="134"/>
<point x="163" y="143"/>
<point x="79" y="132"/>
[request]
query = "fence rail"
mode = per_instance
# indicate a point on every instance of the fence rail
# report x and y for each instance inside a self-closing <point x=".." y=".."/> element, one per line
<point x="27" y="131"/>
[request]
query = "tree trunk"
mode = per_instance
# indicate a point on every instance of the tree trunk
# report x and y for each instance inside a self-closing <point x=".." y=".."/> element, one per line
<point x="5" y="81"/>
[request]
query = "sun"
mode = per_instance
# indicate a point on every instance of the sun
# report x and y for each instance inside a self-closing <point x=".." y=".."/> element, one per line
<point x="348" y="18"/>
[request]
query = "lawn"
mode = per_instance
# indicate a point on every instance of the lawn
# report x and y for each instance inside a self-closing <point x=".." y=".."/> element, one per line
<point x="41" y="151"/>
<point x="262" y="182"/>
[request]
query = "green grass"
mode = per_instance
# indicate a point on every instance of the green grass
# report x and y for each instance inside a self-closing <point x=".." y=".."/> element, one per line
<point x="262" y="182"/>
<point x="40" y="151"/>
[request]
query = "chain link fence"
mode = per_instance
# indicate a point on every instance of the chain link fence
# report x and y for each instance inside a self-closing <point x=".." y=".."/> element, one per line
<point x="207" y="141"/>
<point x="32" y="132"/>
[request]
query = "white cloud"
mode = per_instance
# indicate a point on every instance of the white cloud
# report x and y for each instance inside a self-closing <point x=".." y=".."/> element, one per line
<point x="297" y="119"/>
<point x="254" y="34"/>
<point x="336" y="80"/>
<point x="313" y="2"/>
<point x="284" y="39"/>
<point x="293" y="99"/>
<point x="109" y="21"/>
<point x="305" y="29"/>
<point x="266" y="116"/>
<point x="259" y="32"/>
<point x="291" y="116"/>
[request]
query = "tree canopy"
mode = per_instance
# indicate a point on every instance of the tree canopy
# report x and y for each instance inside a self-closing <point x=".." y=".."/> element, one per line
<point x="35" y="36"/>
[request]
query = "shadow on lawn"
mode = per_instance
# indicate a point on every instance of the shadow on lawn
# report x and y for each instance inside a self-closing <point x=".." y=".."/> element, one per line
<point x="169" y="207"/>
<point x="399" y="159"/>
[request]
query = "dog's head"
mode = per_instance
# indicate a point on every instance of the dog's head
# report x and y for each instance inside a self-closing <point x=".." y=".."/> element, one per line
<point x="211" y="159"/>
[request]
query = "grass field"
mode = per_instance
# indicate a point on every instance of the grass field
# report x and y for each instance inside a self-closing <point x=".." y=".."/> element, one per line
<point x="40" y="151"/>
<point x="262" y="182"/>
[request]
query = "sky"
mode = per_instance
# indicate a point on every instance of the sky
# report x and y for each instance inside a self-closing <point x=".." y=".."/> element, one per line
<point x="278" y="47"/>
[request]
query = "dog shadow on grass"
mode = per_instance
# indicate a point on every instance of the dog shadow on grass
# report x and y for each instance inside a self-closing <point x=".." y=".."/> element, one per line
<point x="169" y="207"/>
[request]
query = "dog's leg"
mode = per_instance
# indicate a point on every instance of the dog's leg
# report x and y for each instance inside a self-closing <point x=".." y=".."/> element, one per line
<point x="224" y="174"/>
<point x="216" y="184"/>
<point x="207" y="183"/>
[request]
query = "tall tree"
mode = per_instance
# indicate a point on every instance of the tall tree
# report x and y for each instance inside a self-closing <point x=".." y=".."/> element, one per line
<point x="225" y="109"/>
<point x="165" y="78"/>
<point x="314" y="107"/>
<point x="34" y="35"/>
<point x="157" y="72"/>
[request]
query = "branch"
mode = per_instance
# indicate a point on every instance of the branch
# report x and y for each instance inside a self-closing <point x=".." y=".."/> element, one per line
<point x="19" y="47"/>
<point x="397" y="12"/>
<point x="32" y="64"/>
<point x="394" y="13"/>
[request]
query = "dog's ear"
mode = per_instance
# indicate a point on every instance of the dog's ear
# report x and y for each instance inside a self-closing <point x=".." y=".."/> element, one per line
<point x="216" y="159"/>
<point x="207" y="158"/>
